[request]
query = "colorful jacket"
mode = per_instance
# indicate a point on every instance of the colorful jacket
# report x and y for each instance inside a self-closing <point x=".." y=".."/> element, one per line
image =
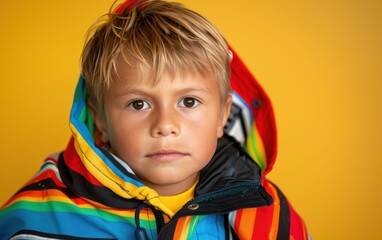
<point x="85" y="192"/>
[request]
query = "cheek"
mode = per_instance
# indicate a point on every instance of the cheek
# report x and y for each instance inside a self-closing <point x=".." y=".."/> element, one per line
<point x="204" y="136"/>
<point x="202" y="130"/>
<point x="207" y="148"/>
<point x="128" y="147"/>
<point x="121" y="124"/>
<point x="124" y="137"/>
<point x="204" y="116"/>
<point x="212" y="125"/>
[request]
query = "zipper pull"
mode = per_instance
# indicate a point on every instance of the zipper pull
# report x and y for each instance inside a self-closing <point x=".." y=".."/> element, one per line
<point x="140" y="234"/>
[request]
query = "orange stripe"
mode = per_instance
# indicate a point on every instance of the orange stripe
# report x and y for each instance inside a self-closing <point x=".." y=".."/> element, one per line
<point x="181" y="229"/>
<point x="35" y="196"/>
<point x="247" y="222"/>
<point x="276" y="213"/>
<point x="54" y="195"/>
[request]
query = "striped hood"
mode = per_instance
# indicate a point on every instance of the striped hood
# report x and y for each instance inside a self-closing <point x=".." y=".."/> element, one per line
<point x="250" y="122"/>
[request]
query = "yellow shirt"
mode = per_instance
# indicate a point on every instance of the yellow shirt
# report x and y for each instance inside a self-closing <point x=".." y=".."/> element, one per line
<point x="176" y="202"/>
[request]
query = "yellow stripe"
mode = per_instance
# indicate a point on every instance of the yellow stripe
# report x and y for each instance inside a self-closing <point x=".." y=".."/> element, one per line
<point x="97" y="167"/>
<point x="255" y="147"/>
<point x="57" y="196"/>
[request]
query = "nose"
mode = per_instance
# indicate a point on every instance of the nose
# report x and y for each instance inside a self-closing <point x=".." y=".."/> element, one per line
<point x="165" y="123"/>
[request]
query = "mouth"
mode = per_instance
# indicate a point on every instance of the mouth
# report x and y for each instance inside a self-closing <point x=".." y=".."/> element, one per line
<point x="166" y="155"/>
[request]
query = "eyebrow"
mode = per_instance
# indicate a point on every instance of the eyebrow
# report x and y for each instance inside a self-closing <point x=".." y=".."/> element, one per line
<point x="192" y="89"/>
<point x="181" y="90"/>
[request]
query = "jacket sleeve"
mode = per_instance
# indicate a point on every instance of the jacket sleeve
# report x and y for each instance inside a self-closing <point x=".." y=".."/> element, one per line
<point x="277" y="221"/>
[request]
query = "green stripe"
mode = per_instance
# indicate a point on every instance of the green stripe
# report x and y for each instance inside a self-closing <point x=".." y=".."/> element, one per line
<point x="55" y="206"/>
<point x="253" y="145"/>
<point x="192" y="226"/>
<point x="47" y="164"/>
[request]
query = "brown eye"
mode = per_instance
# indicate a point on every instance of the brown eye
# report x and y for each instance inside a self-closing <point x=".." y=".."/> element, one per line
<point x="189" y="102"/>
<point x="139" y="105"/>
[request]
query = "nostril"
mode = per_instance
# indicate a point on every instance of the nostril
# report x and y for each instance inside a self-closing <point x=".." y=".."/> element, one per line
<point x="163" y="130"/>
<point x="165" y="122"/>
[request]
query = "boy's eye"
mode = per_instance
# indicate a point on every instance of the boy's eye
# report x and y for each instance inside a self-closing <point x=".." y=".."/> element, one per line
<point x="189" y="102"/>
<point x="138" y="105"/>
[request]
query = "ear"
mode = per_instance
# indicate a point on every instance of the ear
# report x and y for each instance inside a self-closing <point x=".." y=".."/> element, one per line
<point x="226" y="109"/>
<point x="99" y="122"/>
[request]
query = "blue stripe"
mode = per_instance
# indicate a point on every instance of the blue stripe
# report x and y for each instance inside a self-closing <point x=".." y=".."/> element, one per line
<point x="208" y="227"/>
<point x="246" y="105"/>
<point x="63" y="223"/>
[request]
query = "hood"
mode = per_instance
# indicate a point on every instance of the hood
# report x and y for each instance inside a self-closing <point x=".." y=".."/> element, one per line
<point x="251" y="121"/>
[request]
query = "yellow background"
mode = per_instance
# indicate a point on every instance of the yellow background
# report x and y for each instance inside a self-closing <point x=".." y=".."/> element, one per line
<point x="319" y="61"/>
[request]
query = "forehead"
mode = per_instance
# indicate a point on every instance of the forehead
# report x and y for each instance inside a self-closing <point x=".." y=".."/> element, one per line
<point x="138" y="72"/>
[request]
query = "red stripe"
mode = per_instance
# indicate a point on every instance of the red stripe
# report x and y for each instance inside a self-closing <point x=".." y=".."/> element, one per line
<point x="127" y="5"/>
<point x="265" y="225"/>
<point x="263" y="222"/>
<point x="297" y="226"/>
<point x="45" y="175"/>
<point x="74" y="162"/>
<point x="237" y="219"/>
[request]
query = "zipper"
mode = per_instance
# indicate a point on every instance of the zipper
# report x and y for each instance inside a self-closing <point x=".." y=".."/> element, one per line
<point x="207" y="197"/>
<point x="224" y="192"/>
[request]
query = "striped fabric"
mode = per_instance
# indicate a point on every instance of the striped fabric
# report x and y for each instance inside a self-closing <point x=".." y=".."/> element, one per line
<point x="278" y="221"/>
<point x="51" y="208"/>
<point x="261" y="142"/>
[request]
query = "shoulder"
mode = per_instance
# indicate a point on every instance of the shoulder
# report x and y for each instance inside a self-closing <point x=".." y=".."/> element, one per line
<point x="47" y="178"/>
<point x="30" y="203"/>
<point x="278" y="220"/>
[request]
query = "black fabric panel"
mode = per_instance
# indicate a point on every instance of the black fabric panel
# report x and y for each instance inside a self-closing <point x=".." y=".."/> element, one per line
<point x="117" y="164"/>
<point x="284" y="220"/>
<point x="84" y="188"/>
<point x="229" y="166"/>
<point x="25" y="234"/>
<point x="230" y="232"/>
<point x="45" y="184"/>
<point x="230" y="181"/>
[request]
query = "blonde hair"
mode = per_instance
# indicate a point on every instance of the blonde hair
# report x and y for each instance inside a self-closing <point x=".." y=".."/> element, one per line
<point x="161" y="36"/>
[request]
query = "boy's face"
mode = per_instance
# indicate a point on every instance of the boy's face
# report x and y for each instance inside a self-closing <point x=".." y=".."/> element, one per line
<point x="166" y="132"/>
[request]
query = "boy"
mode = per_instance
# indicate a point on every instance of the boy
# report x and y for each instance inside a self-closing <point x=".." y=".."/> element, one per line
<point x="149" y="158"/>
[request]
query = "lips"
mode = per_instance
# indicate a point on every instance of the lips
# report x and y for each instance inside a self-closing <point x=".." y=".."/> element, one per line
<point x="166" y="155"/>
